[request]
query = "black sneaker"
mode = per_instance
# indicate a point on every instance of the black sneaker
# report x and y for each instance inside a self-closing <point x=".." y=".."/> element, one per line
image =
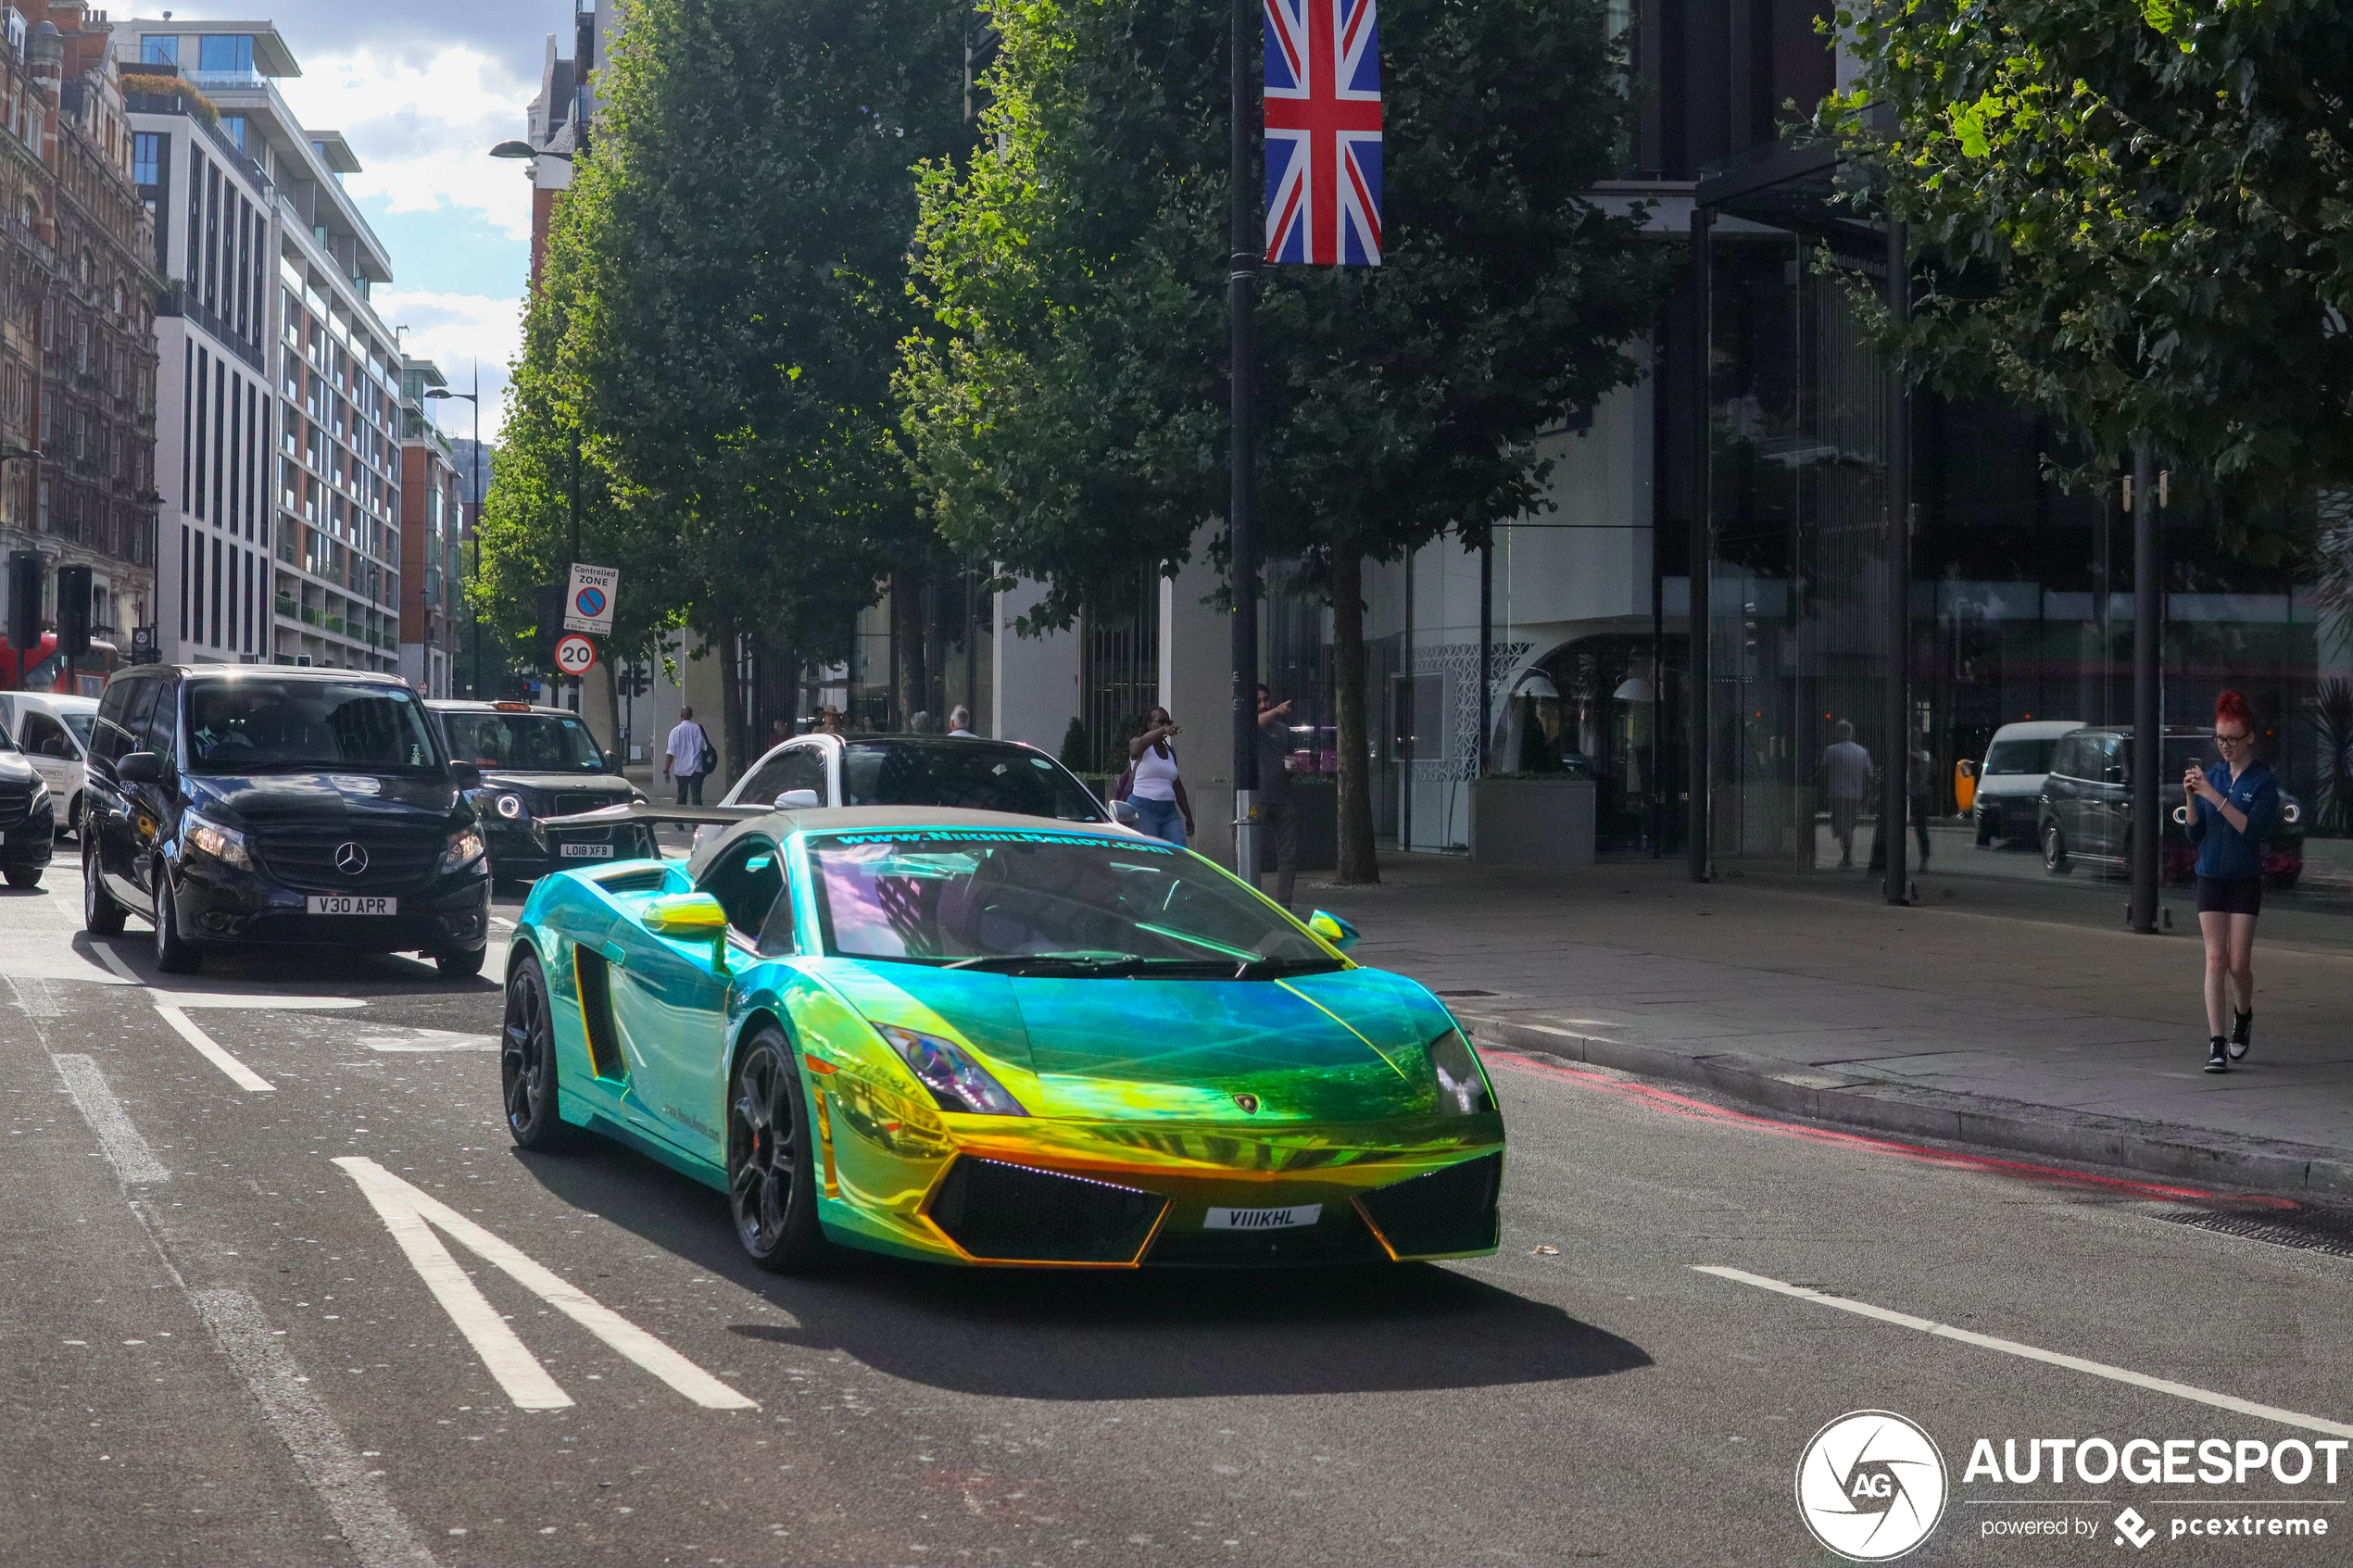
<point x="2242" y="1027"/>
<point x="2215" y="1061"/>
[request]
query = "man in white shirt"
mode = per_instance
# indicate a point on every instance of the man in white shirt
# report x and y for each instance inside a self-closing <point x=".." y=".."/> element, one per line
<point x="1847" y="770"/>
<point x="960" y="722"/>
<point x="684" y="753"/>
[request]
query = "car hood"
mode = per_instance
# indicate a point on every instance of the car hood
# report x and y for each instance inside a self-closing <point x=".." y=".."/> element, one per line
<point x="266" y="797"/>
<point x="15" y="767"/>
<point x="553" y="784"/>
<point x="1343" y="1046"/>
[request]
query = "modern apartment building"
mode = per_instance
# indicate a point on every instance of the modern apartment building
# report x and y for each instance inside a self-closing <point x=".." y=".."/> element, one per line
<point x="280" y="387"/>
<point x="432" y="527"/>
<point x="77" y="372"/>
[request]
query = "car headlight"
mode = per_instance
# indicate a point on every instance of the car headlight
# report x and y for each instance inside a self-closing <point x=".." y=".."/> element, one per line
<point x="225" y="845"/>
<point x="463" y="849"/>
<point x="955" y="1080"/>
<point x="2291" y="812"/>
<point x="41" y="797"/>
<point x="508" y="806"/>
<point x="1461" y="1086"/>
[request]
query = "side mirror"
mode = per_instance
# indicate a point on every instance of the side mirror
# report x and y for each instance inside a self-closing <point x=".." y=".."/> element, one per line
<point x="799" y="801"/>
<point x="1334" y="930"/>
<point x="465" y="775"/>
<point x="686" y="916"/>
<point x="1124" y="812"/>
<point x="140" y="768"/>
<point x="612" y="761"/>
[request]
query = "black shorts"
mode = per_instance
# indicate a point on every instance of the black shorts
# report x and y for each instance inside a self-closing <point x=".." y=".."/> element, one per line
<point x="2229" y="895"/>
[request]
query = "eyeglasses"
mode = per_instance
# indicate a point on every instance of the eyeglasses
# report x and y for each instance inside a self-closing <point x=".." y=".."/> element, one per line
<point x="2222" y="739"/>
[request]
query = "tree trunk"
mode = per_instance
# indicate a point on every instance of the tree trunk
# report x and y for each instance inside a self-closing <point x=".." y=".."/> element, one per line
<point x="731" y="724"/>
<point x="907" y="643"/>
<point x="1357" y="863"/>
<point x="612" y="713"/>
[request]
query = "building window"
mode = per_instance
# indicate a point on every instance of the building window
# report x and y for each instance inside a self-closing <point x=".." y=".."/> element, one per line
<point x="233" y="127"/>
<point x="224" y="53"/>
<point x="160" y="51"/>
<point x="146" y="152"/>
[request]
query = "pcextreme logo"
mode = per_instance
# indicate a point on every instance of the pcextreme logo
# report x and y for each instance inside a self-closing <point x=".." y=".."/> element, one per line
<point x="1871" y="1486"/>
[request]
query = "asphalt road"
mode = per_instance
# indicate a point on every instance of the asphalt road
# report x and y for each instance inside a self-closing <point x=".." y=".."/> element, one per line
<point x="220" y="1348"/>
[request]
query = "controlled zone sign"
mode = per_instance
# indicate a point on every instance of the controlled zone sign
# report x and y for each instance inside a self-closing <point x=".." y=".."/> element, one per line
<point x="575" y="656"/>
<point x="588" y="599"/>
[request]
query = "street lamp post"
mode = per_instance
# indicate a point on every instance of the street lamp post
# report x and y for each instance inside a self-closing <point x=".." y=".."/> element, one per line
<point x="473" y="611"/>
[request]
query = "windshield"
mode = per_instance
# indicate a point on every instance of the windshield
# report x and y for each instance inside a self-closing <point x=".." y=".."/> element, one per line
<point x="2020" y="756"/>
<point x="522" y="742"/>
<point x="80" y="721"/>
<point x="252" y="722"/>
<point x="1042" y="904"/>
<point x="970" y="774"/>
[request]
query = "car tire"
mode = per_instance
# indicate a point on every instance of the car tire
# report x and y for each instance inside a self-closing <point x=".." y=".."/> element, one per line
<point x="1985" y="834"/>
<point x="101" y="915"/>
<point x="22" y="878"/>
<point x="459" y="963"/>
<point x="772" y="1163"/>
<point x="2055" y="859"/>
<point x="173" y="953"/>
<point x="527" y="1070"/>
<point x="74" y="820"/>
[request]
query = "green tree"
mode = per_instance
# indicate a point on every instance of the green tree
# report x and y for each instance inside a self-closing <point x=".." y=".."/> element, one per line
<point x="2130" y="215"/>
<point x="717" y="320"/>
<point x="1069" y="412"/>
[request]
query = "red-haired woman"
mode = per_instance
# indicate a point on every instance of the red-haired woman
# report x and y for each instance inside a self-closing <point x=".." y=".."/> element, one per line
<point x="2233" y="804"/>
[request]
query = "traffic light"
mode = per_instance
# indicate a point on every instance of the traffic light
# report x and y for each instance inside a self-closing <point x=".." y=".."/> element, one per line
<point x="73" y="612"/>
<point x="25" y="569"/>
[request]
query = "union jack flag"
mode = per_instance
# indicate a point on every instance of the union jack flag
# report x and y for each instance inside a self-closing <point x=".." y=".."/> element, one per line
<point x="1322" y="133"/>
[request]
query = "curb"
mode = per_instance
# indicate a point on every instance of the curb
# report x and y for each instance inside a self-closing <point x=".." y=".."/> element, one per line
<point x="2153" y="1147"/>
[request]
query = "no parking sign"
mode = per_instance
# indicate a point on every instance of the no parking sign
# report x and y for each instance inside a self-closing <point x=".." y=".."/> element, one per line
<point x="588" y="599"/>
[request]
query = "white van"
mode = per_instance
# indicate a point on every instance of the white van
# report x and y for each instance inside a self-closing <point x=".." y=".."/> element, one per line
<point x="54" y="730"/>
<point x="2009" y="782"/>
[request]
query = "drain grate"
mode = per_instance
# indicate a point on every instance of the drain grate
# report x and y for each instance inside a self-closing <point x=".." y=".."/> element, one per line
<point x="1467" y="993"/>
<point x="2312" y="1234"/>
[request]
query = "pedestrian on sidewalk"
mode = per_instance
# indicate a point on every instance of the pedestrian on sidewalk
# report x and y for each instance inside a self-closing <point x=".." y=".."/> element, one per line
<point x="1154" y="784"/>
<point x="1276" y="813"/>
<point x="1846" y="773"/>
<point x="2232" y="806"/>
<point x="689" y="752"/>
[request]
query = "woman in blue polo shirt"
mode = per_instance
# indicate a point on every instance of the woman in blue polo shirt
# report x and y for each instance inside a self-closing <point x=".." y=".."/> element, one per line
<point x="2233" y="804"/>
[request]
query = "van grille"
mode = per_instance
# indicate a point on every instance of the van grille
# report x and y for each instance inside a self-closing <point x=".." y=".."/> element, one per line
<point x="16" y="800"/>
<point x="302" y="855"/>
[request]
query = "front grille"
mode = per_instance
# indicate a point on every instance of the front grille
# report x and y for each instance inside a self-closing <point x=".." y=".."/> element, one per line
<point x="302" y="855"/>
<point x="1449" y="1211"/>
<point x="1341" y="1236"/>
<point x="16" y="800"/>
<point x="1012" y="1213"/>
<point x="573" y="805"/>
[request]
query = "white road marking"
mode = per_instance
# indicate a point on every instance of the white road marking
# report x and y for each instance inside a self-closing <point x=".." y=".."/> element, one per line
<point x="429" y="1040"/>
<point x="2036" y="1353"/>
<point x="113" y="960"/>
<point x="254" y="1001"/>
<point x="35" y="996"/>
<point x="357" y="1500"/>
<point x="616" y="1331"/>
<point x="133" y="1160"/>
<point x="501" y="919"/>
<point x="207" y="1046"/>
<point x="517" y="1370"/>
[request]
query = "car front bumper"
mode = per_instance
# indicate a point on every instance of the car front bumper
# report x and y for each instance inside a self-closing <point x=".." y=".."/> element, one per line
<point x="527" y="847"/>
<point x="223" y="907"/>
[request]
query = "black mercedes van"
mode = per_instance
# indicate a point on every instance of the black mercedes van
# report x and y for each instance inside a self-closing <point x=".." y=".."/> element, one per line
<point x="243" y="805"/>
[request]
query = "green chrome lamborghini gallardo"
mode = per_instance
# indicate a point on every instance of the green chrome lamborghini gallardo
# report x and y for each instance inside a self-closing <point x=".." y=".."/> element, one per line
<point x="976" y="1038"/>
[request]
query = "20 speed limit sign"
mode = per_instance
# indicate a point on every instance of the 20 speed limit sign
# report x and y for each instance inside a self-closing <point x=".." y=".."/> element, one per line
<point x="575" y="656"/>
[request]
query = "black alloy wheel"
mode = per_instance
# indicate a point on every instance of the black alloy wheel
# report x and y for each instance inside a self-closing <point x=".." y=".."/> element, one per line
<point x="772" y="1166"/>
<point x="2054" y="850"/>
<point x="527" y="1062"/>
<point x="23" y="878"/>
<point x="173" y="953"/>
<point x="101" y="915"/>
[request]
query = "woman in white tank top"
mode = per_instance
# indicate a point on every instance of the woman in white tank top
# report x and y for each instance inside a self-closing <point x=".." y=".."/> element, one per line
<point x="1155" y="787"/>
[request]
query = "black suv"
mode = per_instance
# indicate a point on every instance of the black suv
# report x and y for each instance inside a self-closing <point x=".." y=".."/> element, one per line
<point x="538" y="763"/>
<point x="263" y="806"/>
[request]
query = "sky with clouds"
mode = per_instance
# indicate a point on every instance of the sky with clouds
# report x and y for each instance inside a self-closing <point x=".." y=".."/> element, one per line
<point x="423" y="90"/>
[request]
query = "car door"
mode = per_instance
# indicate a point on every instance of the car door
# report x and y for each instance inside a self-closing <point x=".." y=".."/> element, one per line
<point x="153" y="809"/>
<point x="53" y="754"/>
<point x="670" y="1000"/>
<point x="110" y="741"/>
<point x="2109" y="805"/>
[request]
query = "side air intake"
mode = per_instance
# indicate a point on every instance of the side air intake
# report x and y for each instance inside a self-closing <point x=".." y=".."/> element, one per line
<point x="1016" y="1214"/>
<point x="1449" y="1211"/>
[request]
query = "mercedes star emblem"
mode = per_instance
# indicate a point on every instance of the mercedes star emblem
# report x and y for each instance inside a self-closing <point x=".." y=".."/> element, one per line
<point x="351" y="859"/>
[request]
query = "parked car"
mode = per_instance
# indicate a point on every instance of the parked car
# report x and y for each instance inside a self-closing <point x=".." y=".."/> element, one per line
<point x="539" y="763"/>
<point x="28" y="818"/>
<point x="53" y="733"/>
<point x="972" y="773"/>
<point x="978" y="1038"/>
<point x="2085" y="810"/>
<point x="2010" y="780"/>
<point x="260" y="805"/>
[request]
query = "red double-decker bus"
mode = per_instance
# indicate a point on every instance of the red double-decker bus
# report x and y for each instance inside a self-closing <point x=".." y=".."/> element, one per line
<point x="42" y="671"/>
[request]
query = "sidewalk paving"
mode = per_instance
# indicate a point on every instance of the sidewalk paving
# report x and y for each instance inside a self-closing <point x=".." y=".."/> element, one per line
<point x="2015" y="1015"/>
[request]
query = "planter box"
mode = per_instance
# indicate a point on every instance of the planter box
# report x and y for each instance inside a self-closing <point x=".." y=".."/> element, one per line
<point x="1532" y="822"/>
